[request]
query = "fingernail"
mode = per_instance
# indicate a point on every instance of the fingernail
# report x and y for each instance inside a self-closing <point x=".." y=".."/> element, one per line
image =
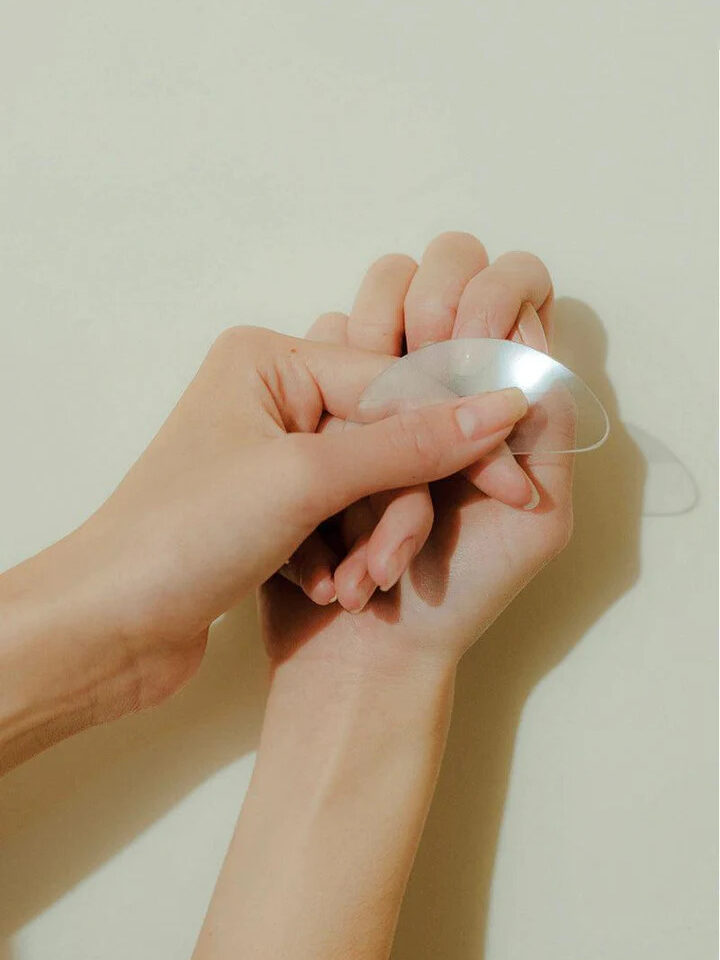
<point x="398" y="562"/>
<point x="532" y="332"/>
<point x="534" y="497"/>
<point x="481" y="416"/>
<point x="365" y="588"/>
<point x="324" y="592"/>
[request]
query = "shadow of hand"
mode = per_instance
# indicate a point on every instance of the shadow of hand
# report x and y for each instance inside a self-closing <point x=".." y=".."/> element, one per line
<point x="70" y="809"/>
<point x="445" y="910"/>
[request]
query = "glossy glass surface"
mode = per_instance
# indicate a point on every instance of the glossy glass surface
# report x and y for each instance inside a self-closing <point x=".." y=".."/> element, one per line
<point x="565" y="416"/>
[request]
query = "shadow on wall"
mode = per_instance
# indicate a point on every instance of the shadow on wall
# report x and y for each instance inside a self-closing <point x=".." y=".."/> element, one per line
<point x="69" y="810"/>
<point x="446" y="907"/>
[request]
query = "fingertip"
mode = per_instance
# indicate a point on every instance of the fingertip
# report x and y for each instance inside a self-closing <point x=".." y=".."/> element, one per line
<point x="323" y="591"/>
<point x="388" y="567"/>
<point x="353" y="584"/>
<point x="501" y="477"/>
<point x="534" y="496"/>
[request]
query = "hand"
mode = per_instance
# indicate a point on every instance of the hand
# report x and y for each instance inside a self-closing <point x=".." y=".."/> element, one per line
<point x="480" y="551"/>
<point x="115" y="617"/>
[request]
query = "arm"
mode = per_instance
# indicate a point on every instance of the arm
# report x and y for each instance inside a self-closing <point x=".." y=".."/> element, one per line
<point x="359" y="705"/>
<point x="115" y="617"/>
<point x="344" y="776"/>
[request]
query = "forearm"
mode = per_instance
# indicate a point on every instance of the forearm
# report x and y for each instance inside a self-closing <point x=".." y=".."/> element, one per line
<point x="62" y="667"/>
<point x="322" y="851"/>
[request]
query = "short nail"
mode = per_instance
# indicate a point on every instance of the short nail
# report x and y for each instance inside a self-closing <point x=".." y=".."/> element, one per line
<point x="484" y="415"/>
<point x="365" y="588"/>
<point x="398" y="562"/>
<point x="534" y="497"/>
<point x="532" y="333"/>
<point x="324" y="591"/>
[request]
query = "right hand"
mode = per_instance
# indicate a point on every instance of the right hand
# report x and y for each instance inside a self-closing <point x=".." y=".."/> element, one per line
<point x="470" y="552"/>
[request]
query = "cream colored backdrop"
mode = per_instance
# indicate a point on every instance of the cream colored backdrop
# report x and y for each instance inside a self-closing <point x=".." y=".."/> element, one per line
<point x="173" y="167"/>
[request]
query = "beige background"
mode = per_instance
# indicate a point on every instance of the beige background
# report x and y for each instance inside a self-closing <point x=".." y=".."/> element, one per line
<point x="169" y="168"/>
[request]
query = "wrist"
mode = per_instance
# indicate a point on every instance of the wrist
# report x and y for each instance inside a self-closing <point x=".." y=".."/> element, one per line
<point x="345" y="772"/>
<point x="69" y="669"/>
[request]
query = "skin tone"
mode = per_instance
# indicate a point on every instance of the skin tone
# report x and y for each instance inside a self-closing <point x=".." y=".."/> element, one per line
<point x="238" y="490"/>
<point x="360" y="703"/>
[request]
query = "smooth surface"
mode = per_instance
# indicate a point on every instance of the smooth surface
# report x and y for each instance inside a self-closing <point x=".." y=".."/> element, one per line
<point x="171" y="168"/>
<point x="564" y="415"/>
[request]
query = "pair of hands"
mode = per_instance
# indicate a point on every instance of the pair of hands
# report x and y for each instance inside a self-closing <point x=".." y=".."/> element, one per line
<point x="251" y="462"/>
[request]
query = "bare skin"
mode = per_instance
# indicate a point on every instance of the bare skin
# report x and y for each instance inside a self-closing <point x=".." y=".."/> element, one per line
<point x="360" y="702"/>
<point x="235" y="493"/>
<point x="115" y="617"/>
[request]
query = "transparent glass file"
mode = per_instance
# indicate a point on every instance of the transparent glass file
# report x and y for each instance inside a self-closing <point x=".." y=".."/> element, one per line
<point x="564" y="415"/>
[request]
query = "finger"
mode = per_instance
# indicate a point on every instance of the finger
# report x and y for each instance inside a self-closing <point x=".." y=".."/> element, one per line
<point x="311" y="568"/>
<point x="529" y="330"/>
<point x="412" y="447"/>
<point x="405" y="524"/>
<point x="329" y="328"/>
<point x="501" y="477"/>
<point x="304" y="373"/>
<point x="353" y="584"/>
<point x="377" y="318"/>
<point x="553" y="423"/>
<point x="448" y="264"/>
<point x="491" y="302"/>
<point x="501" y="302"/>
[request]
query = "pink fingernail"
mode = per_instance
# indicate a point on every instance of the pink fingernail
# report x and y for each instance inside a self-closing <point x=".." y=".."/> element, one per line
<point x="534" y="498"/>
<point x="365" y="587"/>
<point x="324" y="592"/>
<point x="398" y="562"/>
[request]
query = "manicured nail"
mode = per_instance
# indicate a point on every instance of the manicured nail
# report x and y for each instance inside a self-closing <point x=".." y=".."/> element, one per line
<point x="481" y="416"/>
<point x="534" y="498"/>
<point x="397" y="564"/>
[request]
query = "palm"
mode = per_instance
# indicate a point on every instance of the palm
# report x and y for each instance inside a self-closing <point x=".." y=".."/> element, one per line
<point x="480" y="553"/>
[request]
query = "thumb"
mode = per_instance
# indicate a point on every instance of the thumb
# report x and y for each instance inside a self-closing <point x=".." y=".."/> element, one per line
<point x="411" y="447"/>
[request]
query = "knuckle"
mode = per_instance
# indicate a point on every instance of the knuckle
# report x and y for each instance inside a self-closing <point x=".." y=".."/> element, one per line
<point x="429" y="311"/>
<point x="525" y="262"/>
<point x="393" y="263"/>
<point x="455" y="239"/>
<point x="418" y="434"/>
<point x="501" y="295"/>
<point x="242" y="339"/>
<point x="495" y="306"/>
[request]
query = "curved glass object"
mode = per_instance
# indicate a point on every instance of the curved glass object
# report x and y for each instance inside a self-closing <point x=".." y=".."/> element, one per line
<point x="564" y="416"/>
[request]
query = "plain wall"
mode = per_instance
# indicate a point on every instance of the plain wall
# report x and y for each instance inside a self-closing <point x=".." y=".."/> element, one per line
<point x="171" y="168"/>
